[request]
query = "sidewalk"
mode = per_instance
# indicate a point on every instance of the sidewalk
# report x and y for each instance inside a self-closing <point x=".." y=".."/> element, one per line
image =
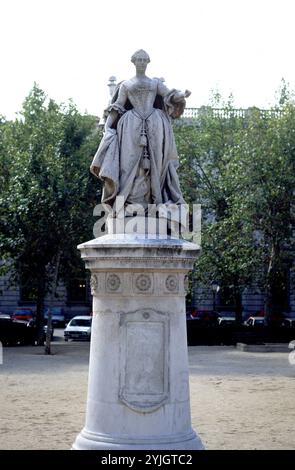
<point x="239" y="400"/>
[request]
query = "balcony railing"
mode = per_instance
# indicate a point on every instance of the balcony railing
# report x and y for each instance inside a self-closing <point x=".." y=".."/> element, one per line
<point x="227" y="113"/>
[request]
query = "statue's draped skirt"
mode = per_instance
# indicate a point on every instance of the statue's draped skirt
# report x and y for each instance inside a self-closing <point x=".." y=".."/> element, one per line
<point x="118" y="160"/>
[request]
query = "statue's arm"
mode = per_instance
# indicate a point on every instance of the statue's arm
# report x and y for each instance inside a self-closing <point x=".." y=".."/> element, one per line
<point x="178" y="96"/>
<point x="117" y="108"/>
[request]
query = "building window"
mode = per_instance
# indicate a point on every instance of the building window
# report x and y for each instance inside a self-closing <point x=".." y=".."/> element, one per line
<point x="77" y="290"/>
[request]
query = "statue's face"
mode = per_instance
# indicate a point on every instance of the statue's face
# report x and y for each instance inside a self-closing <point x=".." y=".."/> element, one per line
<point x="140" y="64"/>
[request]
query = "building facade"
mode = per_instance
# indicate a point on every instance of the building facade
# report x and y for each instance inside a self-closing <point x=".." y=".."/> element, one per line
<point x="75" y="299"/>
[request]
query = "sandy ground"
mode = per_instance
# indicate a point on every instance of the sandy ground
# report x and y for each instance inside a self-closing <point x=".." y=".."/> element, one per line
<point x="238" y="400"/>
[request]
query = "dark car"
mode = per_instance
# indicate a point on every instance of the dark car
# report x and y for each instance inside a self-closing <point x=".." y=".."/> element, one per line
<point x="288" y="322"/>
<point x="24" y="314"/>
<point x="13" y="332"/>
<point x="18" y="332"/>
<point x="227" y="322"/>
<point x="32" y="324"/>
<point x="254" y="322"/>
<point x="203" y="317"/>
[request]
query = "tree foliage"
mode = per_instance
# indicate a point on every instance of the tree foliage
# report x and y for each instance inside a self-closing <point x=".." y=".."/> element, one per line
<point x="242" y="172"/>
<point x="48" y="197"/>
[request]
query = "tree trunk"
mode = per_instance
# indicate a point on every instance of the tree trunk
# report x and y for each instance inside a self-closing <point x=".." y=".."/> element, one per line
<point x="268" y="299"/>
<point x="238" y="306"/>
<point x="268" y="304"/>
<point x="40" y="310"/>
<point x="49" y="319"/>
<point x="47" y="349"/>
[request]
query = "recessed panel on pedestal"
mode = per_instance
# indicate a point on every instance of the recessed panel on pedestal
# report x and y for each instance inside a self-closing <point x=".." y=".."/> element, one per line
<point x="144" y="376"/>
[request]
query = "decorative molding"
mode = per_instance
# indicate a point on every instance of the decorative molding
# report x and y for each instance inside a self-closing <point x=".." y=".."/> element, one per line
<point x="113" y="283"/>
<point x="143" y="283"/>
<point x="138" y="283"/>
<point x="130" y="259"/>
<point x="104" y="263"/>
<point x="172" y="283"/>
<point x="94" y="284"/>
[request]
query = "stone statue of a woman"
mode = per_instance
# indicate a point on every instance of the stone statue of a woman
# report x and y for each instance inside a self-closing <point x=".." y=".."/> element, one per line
<point x="137" y="157"/>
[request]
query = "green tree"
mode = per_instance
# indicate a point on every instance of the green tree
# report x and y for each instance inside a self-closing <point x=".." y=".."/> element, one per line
<point x="262" y="170"/>
<point x="4" y="161"/>
<point x="242" y="172"/>
<point x="227" y="245"/>
<point x="47" y="205"/>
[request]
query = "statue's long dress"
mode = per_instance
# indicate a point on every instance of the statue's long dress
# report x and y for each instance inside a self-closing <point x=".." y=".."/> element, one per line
<point x="118" y="160"/>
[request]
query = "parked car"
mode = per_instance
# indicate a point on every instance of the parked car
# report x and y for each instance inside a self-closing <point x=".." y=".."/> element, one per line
<point x="226" y="321"/>
<point x="79" y="328"/>
<point x="20" y="332"/>
<point x="202" y="317"/>
<point x="24" y="314"/>
<point x="288" y="322"/>
<point x="14" y="332"/>
<point x="5" y="316"/>
<point x="255" y="322"/>
<point x="57" y="316"/>
<point x="32" y="324"/>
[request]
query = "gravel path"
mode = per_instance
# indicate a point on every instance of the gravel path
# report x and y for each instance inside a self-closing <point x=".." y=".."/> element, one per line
<point x="239" y="400"/>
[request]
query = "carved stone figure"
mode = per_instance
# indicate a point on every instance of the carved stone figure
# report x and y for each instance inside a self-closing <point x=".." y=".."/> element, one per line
<point x="137" y="157"/>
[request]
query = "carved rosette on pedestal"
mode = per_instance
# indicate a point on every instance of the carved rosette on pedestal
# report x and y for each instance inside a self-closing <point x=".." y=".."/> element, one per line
<point x="138" y="391"/>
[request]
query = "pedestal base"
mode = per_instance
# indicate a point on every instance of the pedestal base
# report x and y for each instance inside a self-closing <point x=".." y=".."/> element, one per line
<point x="91" y="441"/>
<point x="138" y="390"/>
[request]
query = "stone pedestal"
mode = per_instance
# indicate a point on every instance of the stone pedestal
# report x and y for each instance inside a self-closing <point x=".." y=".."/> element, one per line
<point x="138" y="391"/>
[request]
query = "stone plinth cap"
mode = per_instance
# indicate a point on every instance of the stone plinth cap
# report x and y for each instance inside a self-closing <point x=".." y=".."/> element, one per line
<point x="137" y="241"/>
<point x="118" y="251"/>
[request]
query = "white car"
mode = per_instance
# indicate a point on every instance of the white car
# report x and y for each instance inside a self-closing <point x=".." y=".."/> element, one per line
<point x="78" y="328"/>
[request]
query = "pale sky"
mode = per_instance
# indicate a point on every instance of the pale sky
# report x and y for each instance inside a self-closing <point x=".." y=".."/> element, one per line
<point x="71" y="48"/>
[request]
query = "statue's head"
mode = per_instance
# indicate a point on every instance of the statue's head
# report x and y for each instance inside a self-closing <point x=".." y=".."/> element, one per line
<point x="140" y="59"/>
